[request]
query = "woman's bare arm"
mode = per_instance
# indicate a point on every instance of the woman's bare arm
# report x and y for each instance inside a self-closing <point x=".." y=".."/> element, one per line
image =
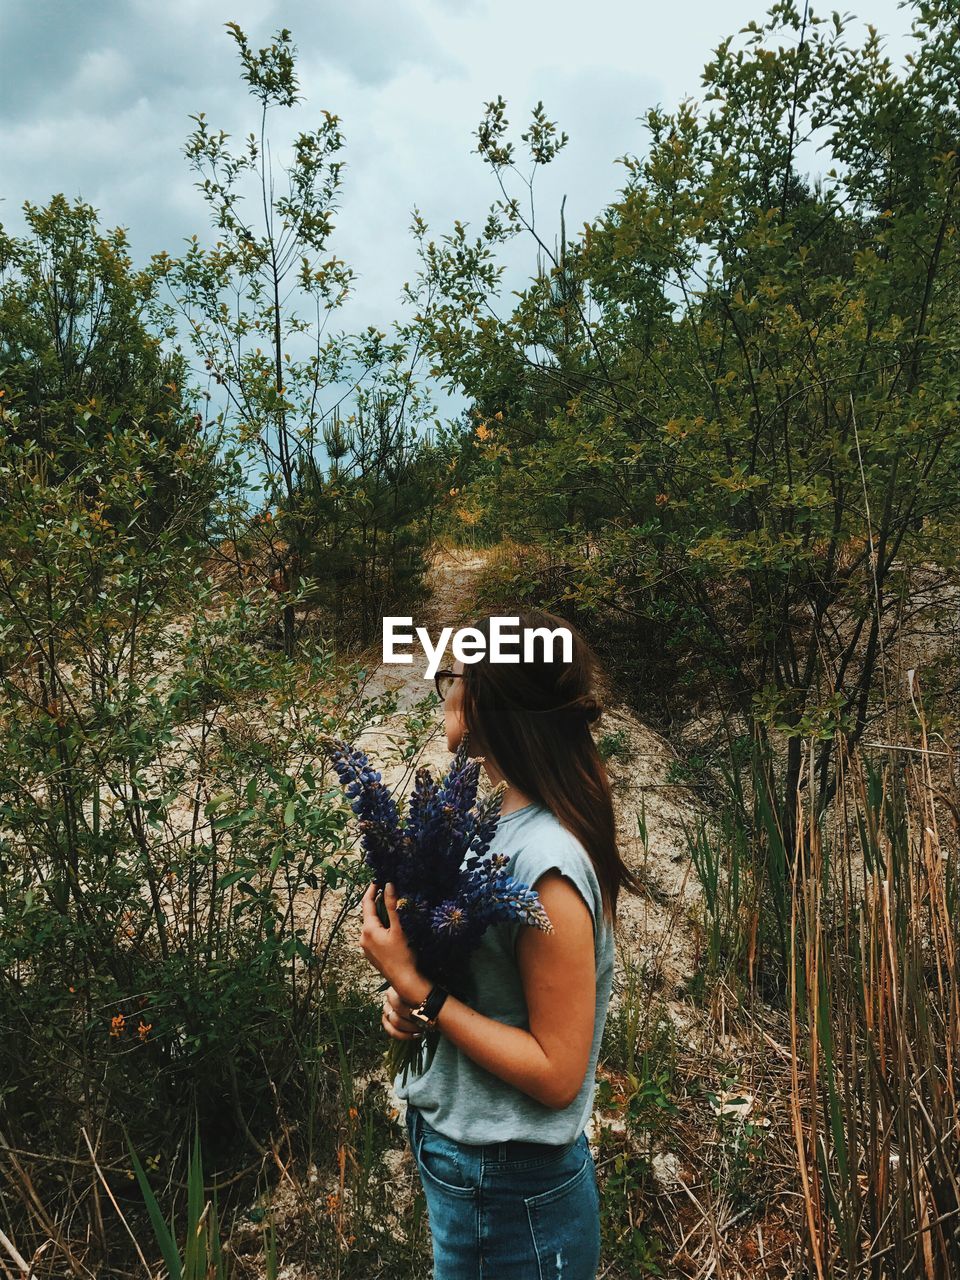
<point x="557" y="970"/>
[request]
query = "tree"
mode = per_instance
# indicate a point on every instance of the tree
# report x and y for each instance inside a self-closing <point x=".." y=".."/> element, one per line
<point x="275" y="363"/>
<point x="81" y="362"/>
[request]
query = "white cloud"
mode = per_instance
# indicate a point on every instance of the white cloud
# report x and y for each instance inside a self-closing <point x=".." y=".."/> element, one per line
<point x="101" y="73"/>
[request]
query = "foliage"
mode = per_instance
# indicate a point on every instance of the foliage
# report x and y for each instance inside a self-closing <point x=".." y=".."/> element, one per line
<point x="615" y="745"/>
<point x="203" y="1256"/>
<point x="741" y="1142"/>
<point x="366" y="526"/>
<point x="257" y="305"/>
<point x="728" y="408"/>
<point x="642" y="1105"/>
<point x="81" y="368"/>
<point x="175" y="871"/>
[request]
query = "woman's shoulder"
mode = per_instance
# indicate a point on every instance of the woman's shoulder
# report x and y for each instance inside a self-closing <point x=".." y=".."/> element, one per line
<point x="544" y="833"/>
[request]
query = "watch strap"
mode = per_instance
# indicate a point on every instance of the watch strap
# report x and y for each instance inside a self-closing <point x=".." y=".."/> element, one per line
<point x="431" y="1005"/>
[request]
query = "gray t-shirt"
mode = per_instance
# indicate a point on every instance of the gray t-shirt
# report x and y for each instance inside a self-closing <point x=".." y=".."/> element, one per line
<point x="466" y="1102"/>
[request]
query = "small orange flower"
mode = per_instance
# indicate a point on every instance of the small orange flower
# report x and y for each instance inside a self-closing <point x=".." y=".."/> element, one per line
<point x="499" y="416"/>
<point x="483" y="432"/>
<point x="117" y="1025"/>
<point x="333" y="1202"/>
<point x="662" y="499"/>
<point x="144" y="1030"/>
<point x="353" y="1113"/>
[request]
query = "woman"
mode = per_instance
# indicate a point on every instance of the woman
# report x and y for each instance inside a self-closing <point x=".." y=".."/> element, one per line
<point x="496" y="1122"/>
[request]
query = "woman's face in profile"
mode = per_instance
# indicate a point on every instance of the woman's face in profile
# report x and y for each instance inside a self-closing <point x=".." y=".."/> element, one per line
<point x="453" y="711"/>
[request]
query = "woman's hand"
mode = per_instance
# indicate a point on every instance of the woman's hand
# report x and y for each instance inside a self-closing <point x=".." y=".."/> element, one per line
<point x="388" y="949"/>
<point x="396" y="1018"/>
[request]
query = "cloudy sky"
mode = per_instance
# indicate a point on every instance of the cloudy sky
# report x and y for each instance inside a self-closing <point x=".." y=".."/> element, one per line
<point x="95" y="100"/>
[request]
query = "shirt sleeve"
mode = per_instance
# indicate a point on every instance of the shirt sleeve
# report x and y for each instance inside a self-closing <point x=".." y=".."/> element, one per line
<point x="567" y="856"/>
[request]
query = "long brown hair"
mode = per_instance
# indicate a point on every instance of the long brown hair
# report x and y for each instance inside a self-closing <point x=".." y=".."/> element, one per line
<point x="533" y="718"/>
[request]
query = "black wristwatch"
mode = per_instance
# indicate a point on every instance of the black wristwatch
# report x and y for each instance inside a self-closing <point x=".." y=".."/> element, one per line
<point x="426" y="1012"/>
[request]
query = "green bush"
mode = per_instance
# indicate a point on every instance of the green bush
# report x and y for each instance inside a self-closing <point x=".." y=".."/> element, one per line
<point x="175" y="871"/>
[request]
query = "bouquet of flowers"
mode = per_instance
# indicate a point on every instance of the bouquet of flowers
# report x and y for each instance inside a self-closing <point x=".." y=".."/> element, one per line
<point x="449" y="886"/>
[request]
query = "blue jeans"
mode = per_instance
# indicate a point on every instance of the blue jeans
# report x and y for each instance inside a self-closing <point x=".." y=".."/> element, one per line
<point x="508" y="1210"/>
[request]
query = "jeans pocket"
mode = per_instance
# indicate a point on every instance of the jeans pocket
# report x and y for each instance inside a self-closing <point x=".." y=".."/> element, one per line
<point x="443" y="1164"/>
<point x="565" y="1225"/>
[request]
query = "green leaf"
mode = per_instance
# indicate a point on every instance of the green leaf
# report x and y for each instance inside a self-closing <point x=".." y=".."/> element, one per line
<point x="164" y="1236"/>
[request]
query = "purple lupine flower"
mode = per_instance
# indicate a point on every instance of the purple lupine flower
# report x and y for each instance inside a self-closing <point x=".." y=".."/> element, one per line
<point x="371" y="802"/>
<point x="509" y="899"/>
<point x="427" y="831"/>
<point x="487" y="818"/>
<point x="459" y="787"/>
<point x="449" y="917"/>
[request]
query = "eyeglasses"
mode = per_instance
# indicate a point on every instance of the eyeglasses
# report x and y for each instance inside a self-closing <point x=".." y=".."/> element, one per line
<point x="444" y="682"/>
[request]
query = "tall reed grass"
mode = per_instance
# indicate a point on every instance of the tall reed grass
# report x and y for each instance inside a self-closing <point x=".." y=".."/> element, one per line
<point x="875" y="1017"/>
<point x="853" y="935"/>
